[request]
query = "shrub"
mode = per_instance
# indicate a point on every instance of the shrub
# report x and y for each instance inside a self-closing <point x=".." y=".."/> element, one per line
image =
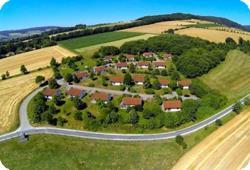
<point x="237" y="107"/>
<point x="149" y="91"/>
<point x="218" y="122"/>
<point x="78" y="115"/>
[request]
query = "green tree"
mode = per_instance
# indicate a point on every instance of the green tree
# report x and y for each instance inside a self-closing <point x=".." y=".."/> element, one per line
<point x="132" y="68"/>
<point x="53" y="84"/>
<point x="156" y="84"/>
<point x="128" y="79"/>
<point x="134" y="118"/>
<point x="78" y="115"/>
<point x="147" y="84"/>
<point x="78" y="103"/>
<point x="247" y="101"/>
<point x="52" y="110"/>
<point x="164" y="72"/>
<point x="218" y="122"/>
<point x="53" y="63"/>
<point x="23" y="70"/>
<point x="39" y="79"/>
<point x="68" y="77"/>
<point x="3" y="76"/>
<point x="237" y="107"/>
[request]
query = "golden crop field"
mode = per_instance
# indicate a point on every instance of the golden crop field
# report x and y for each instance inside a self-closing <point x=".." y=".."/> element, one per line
<point x="12" y="92"/>
<point x="212" y="34"/>
<point x="160" y="27"/>
<point x="33" y="59"/>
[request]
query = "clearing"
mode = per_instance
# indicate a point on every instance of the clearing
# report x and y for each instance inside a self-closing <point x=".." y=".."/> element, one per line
<point x="232" y="77"/>
<point x="90" y="40"/>
<point x="12" y="92"/>
<point x="226" y="148"/>
<point x="160" y="27"/>
<point x="49" y="151"/>
<point x="33" y="60"/>
<point x="212" y="34"/>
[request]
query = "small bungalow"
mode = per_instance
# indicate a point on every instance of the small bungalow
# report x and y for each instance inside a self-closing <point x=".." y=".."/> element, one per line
<point x="130" y="102"/>
<point x="164" y="83"/>
<point x="160" y="64"/>
<point x="171" y="106"/>
<point x="117" y="81"/>
<point x="100" y="96"/>
<point x="48" y="93"/>
<point x="143" y="64"/>
<point x="81" y="75"/>
<point x="185" y="84"/>
<point x="75" y="92"/>
<point x="100" y="70"/>
<point x="138" y="79"/>
<point x="108" y="58"/>
<point x="167" y="56"/>
<point x="148" y="54"/>
<point x="122" y="66"/>
<point x="129" y="57"/>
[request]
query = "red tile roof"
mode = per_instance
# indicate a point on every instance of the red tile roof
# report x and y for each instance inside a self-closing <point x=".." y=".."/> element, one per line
<point x="173" y="104"/>
<point x="108" y="57"/>
<point x="100" y="69"/>
<point x="101" y="96"/>
<point x="148" y="53"/>
<point x="160" y="64"/>
<point x="81" y="74"/>
<point x="122" y="64"/>
<point x="185" y="82"/>
<point x="117" y="79"/>
<point x="74" y="92"/>
<point x="143" y="63"/>
<point x="163" y="82"/>
<point x="129" y="56"/>
<point x="49" y="92"/>
<point x="138" y="78"/>
<point x="134" y="101"/>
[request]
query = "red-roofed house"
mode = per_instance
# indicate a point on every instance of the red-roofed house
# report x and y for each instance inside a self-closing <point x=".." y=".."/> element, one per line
<point x="129" y="57"/>
<point x="148" y="54"/>
<point x="48" y="93"/>
<point x="171" y="106"/>
<point x="108" y="58"/>
<point x="130" y="102"/>
<point x="185" y="84"/>
<point x="100" y="70"/>
<point x="122" y="66"/>
<point x="81" y="75"/>
<point x="75" y="92"/>
<point x="143" y="64"/>
<point x="160" y="64"/>
<point x="117" y="81"/>
<point x="99" y="96"/>
<point x="164" y="83"/>
<point x="167" y="56"/>
<point x="138" y="79"/>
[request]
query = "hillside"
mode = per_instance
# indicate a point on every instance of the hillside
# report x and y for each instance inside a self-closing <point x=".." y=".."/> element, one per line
<point x="10" y="34"/>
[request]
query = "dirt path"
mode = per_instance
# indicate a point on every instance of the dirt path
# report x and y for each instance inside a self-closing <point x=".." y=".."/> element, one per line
<point x="225" y="149"/>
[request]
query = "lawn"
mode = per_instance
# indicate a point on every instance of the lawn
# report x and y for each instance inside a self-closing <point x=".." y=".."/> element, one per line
<point x="47" y="151"/>
<point x="232" y="77"/>
<point x="90" y="40"/>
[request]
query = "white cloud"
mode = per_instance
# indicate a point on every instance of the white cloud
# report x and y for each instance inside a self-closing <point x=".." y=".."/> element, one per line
<point x="247" y="2"/>
<point x="2" y="2"/>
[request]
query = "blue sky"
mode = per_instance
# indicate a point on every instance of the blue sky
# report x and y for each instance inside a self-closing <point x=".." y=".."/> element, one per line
<point x="31" y="13"/>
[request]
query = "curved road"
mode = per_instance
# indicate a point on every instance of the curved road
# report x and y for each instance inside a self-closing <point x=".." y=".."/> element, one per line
<point x="26" y="128"/>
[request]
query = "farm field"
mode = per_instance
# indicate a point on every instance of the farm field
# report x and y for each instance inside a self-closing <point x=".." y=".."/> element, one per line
<point x="86" y="41"/>
<point x="33" y="60"/>
<point x="232" y="77"/>
<point x="212" y="34"/>
<point x="88" y="51"/>
<point x="12" y="91"/>
<point x="226" y="148"/>
<point x="160" y="27"/>
<point x="95" y="154"/>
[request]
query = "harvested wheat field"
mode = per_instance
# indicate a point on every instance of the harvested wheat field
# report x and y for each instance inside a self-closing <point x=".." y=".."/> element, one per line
<point x="33" y="59"/>
<point x="225" y="149"/>
<point x="12" y="91"/>
<point x="160" y="27"/>
<point x="212" y="35"/>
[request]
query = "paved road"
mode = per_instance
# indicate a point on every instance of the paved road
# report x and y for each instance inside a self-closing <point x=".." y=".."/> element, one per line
<point x="26" y="128"/>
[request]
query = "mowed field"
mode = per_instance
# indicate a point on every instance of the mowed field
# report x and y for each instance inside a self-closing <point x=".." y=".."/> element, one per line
<point x="232" y="77"/>
<point x="226" y="148"/>
<point x="212" y="34"/>
<point x="86" y="41"/>
<point x="160" y="27"/>
<point x="12" y="91"/>
<point x="33" y="60"/>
